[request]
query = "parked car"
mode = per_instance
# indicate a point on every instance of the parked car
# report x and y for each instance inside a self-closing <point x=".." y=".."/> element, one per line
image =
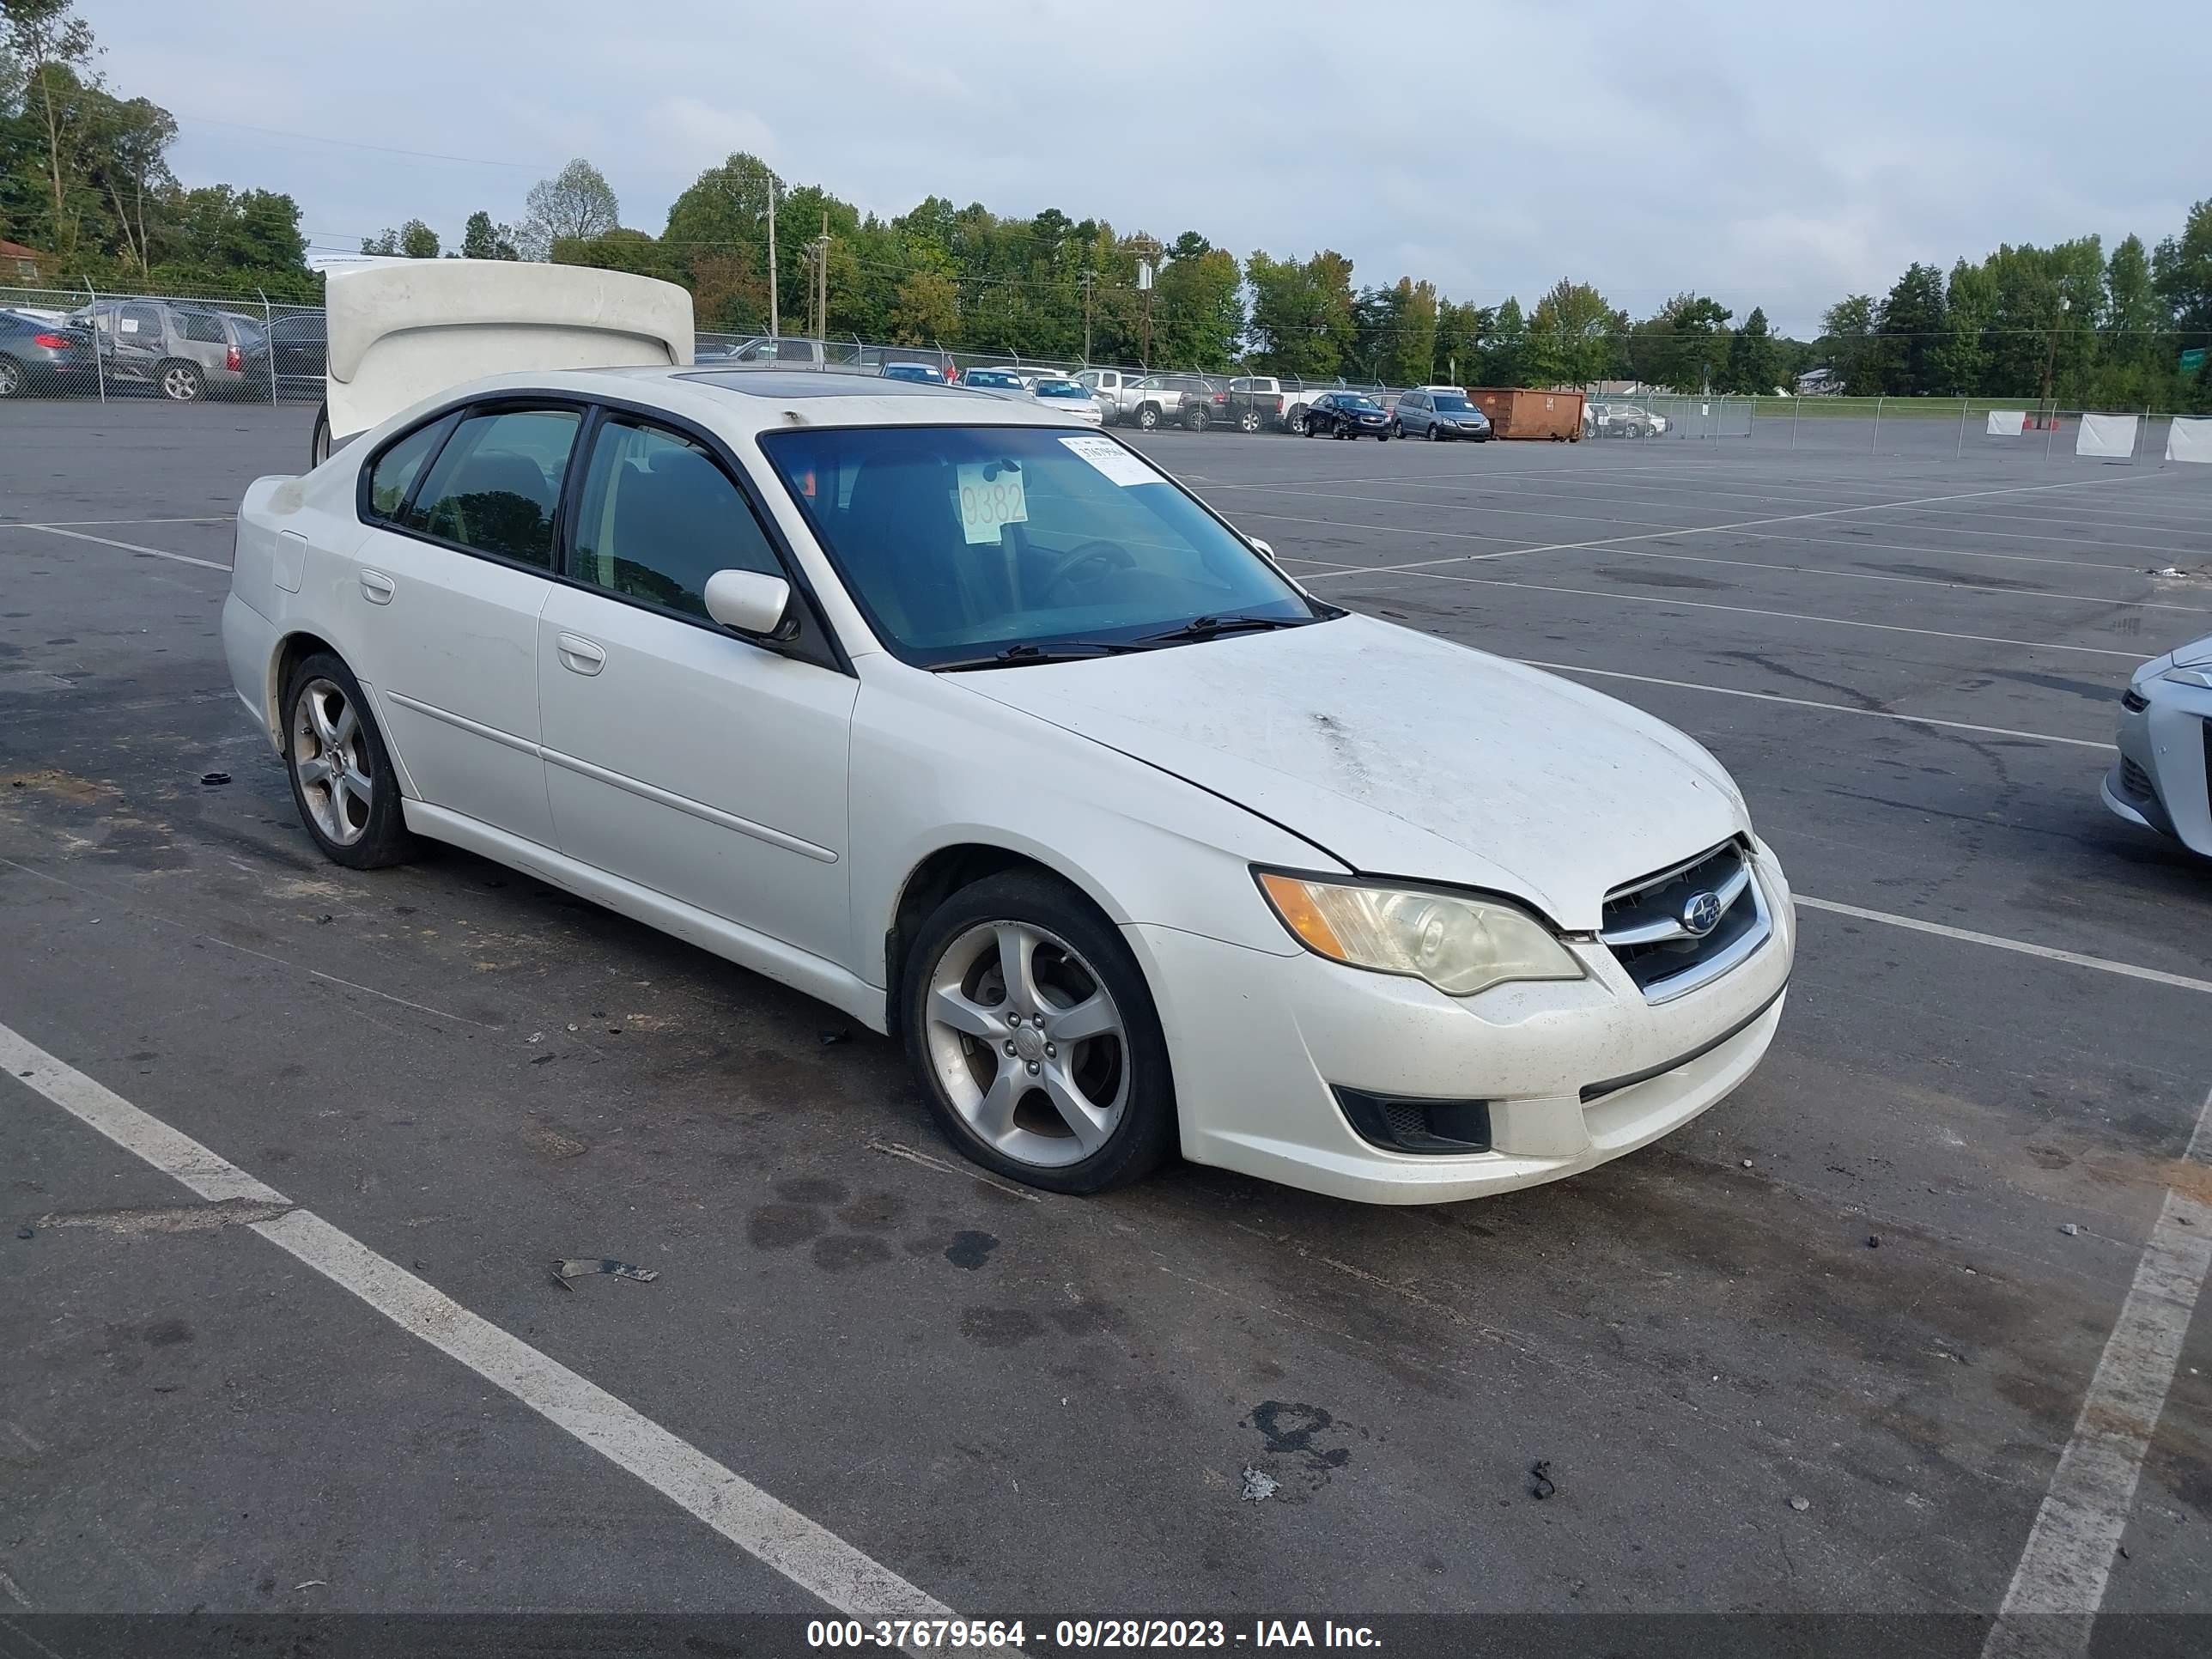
<point x="1287" y="889"/>
<point x="36" y="357"/>
<point x="1066" y="396"/>
<point x="300" y="344"/>
<point x="1623" y="421"/>
<point x="1347" y="415"/>
<point x="1438" y="412"/>
<point x="2163" y="781"/>
<point x="929" y="373"/>
<point x="185" y="352"/>
<point x="1004" y="380"/>
<point x="1256" y="403"/>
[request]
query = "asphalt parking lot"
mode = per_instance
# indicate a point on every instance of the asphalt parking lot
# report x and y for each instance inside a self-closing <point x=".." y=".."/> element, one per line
<point x="1827" y="1350"/>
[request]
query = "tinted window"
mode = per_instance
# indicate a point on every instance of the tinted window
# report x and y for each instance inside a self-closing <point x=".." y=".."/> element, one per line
<point x="1412" y="400"/>
<point x="1452" y="404"/>
<point x="960" y="540"/>
<point x="659" y="517"/>
<point x="795" y="351"/>
<point x="396" y="469"/>
<point x="496" y="483"/>
<point x="198" y="325"/>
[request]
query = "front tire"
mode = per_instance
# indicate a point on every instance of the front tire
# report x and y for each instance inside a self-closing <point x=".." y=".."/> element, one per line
<point x="1147" y="418"/>
<point x="181" y="382"/>
<point x="1033" y="1035"/>
<point x="14" y="380"/>
<point x="343" y="780"/>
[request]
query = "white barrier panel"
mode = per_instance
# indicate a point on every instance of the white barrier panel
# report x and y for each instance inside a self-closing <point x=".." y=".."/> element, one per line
<point x="2109" y="437"/>
<point x="2006" y="423"/>
<point x="2189" y="440"/>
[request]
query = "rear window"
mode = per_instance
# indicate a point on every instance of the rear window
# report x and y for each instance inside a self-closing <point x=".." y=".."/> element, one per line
<point x="207" y="329"/>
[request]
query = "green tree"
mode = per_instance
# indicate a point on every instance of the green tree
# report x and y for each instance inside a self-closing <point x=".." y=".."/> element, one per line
<point x="1302" y="321"/>
<point x="1412" y="357"/>
<point x="2181" y="274"/>
<point x="928" y="312"/>
<point x="1847" y="343"/>
<point x="417" y="240"/>
<point x="129" y="142"/>
<point x="482" y="239"/>
<point x="576" y="201"/>
<point x="51" y="49"/>
<point x="1969" y="302"/>
<point x="1910" y="325"/>
<point x="1570" y="336"/>
<point x="1754" y="366"/>
<point x="1461" y="327"/>
<point x="1693" y="342"/>
<point x="1506" y="355"/>
<point x="1198" y="307"/>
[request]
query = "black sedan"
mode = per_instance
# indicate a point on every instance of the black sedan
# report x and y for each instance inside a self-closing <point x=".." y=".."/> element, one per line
<point x="1347" y="415"/>
<point x="42" y="356"/>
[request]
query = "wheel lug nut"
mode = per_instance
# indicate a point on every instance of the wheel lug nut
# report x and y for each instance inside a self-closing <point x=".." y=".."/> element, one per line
<point x="1010" y="1047"/>
<point x="1013" y="1019"/>
<point x="1033" y="1068"/>
<point x="1051" y="1053"/>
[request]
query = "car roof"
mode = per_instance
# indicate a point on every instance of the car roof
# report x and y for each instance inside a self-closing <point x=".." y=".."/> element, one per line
<point x="749" y="401"/>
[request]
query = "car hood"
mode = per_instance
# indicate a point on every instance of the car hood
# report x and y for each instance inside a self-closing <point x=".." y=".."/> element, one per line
<point x="2195" y="655"/>
<point x="1401" y="754"/>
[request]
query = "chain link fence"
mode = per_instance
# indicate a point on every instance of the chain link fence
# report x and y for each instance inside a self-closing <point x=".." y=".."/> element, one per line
<point x="233" y="347"/>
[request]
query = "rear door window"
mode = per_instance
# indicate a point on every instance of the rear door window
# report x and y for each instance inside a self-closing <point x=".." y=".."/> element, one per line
<point x="495" y="486"/>
<point x="396" y="470"/>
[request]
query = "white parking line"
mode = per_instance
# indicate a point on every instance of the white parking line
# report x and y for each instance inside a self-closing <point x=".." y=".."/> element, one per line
<point x="808" y="1554"/>
<point x="1421" y="567"/>
<point x="2067" y="1559"/>
<point x="1739" y="524"/>
<point x="95" y="523"/>
<point x="1997" y="941"/>
<point x="128" y="547"/>
<point x="1786" y="615"/>
<point x="1808" y="702"/>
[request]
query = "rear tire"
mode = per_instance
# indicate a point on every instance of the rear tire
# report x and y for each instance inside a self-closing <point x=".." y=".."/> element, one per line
<point x="180" y="382"/>
<point x="955" y="1000"/>
<point x="1248" y="420"/>
<point x="1195" y="421"/>
<point x="332" y="753"/>
<point x="14" y="380"/>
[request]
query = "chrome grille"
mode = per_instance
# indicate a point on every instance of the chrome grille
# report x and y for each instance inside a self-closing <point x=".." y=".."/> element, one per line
<point x="1686" y="926"/>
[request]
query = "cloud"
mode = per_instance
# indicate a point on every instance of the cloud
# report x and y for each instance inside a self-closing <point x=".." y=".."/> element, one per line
<point x="1771" y="156"/>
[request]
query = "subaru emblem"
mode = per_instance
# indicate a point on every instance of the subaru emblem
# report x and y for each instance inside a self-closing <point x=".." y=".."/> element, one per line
<point x="1701" y="913"/>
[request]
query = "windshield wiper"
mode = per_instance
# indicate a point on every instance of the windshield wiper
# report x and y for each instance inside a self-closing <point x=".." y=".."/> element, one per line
<point x="1021" y="656"/>
<point x="1208" y="628"/>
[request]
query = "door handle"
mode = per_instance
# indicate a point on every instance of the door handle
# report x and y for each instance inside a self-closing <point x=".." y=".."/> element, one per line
<point x="376" y="587"/>
<point x="578" y="654"/>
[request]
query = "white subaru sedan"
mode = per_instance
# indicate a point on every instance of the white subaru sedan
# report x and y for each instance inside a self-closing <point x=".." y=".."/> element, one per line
<point x="979" y="728"/>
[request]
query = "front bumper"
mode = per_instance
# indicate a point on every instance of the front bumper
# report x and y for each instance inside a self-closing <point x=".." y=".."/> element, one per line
<point x="1261" y="1042"/>
<point x="2167" y="745"/>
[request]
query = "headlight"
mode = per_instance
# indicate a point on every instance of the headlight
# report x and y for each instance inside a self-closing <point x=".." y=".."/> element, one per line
<point x="2200" y="677"/>
<point x="1459" y="943"/>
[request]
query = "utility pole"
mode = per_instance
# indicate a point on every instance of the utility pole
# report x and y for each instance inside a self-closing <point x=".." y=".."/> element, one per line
<point x="774" y="323"/>
<point x="1088" y="277"/>
<point x="822" y="281"/>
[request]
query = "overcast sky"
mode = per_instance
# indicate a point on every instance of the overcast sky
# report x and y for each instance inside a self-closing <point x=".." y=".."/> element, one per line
<point x="1781" y="154"/>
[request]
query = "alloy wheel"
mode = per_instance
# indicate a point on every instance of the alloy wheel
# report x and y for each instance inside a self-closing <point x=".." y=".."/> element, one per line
<point x="1027" y="1043"/>
<point x="331" y="762"/>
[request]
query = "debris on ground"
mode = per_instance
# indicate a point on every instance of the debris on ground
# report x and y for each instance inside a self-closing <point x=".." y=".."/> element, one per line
<point x="1258" y="1484"/>
<point x="215" y="779"/>
<point x="322" y="922"/>
<point x="835" y="1035"/>
<point x="1801" y="1504"/>
<point x="1746" y="1164"/>
<point x="1873" y="1241"/>
<point x="2070" y="1228"/>
<point x="1540" y="1485"/>
<point x="310" y="1583"/>
<point x="584" y="1267"/>
<point x="26" y="1230"/>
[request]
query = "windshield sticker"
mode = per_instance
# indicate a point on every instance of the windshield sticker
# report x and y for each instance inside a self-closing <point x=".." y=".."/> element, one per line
<point x="129" y="324"/>
<point x="991" y="497"/>
<point x="1116" y="462"/>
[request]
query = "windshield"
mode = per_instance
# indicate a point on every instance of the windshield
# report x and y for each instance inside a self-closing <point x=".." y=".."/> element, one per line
<point x="1061" y="389"/>
<point x="1448" y="405"/>
<point x="959" y="542"/>
<point x="1363" y="405"/>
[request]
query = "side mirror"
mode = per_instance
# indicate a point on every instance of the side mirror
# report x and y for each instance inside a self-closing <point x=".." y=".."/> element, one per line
<point x="749" y="602"/>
